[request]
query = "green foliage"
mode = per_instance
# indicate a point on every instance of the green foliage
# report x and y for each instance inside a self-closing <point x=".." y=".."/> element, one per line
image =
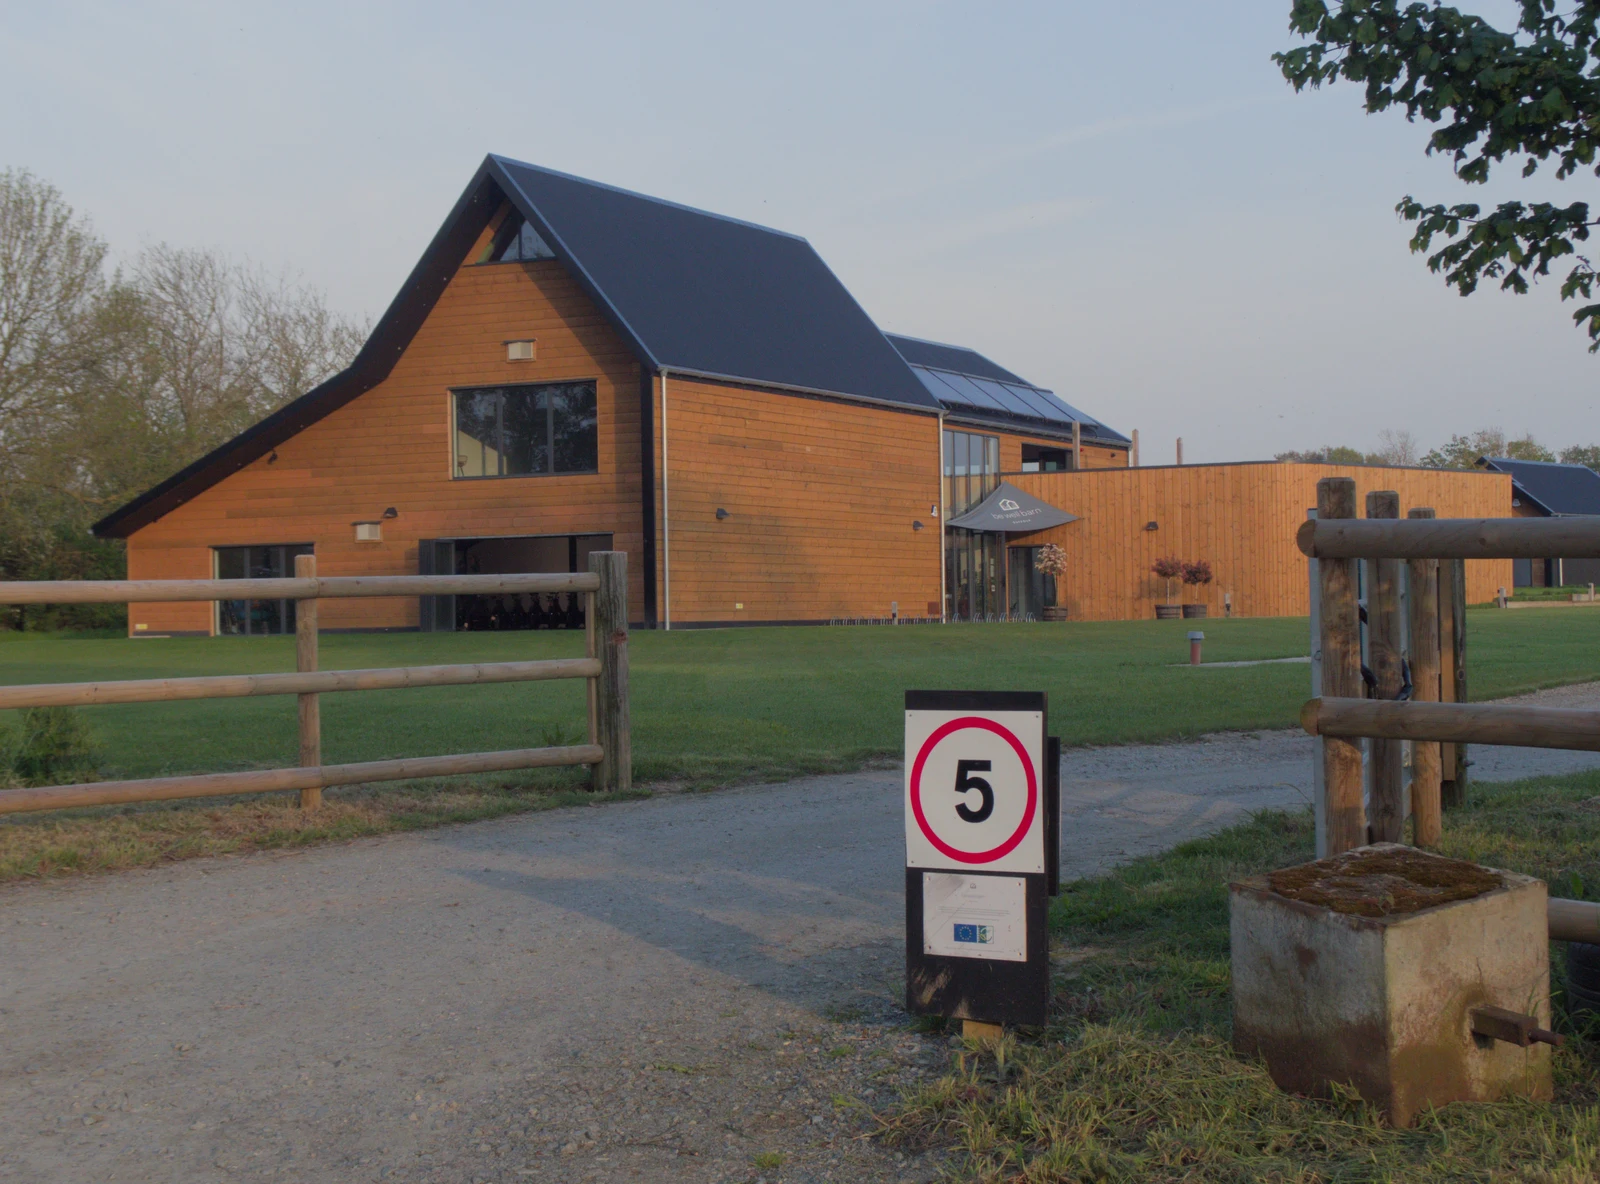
<point x="109" y="384"/>
<point x="1462" y="452"/>
<point x="52" y="745"/>
<point x="1327" y="455"/>
<point x="1582" y="454"/>
<point x="1532" y="94"/>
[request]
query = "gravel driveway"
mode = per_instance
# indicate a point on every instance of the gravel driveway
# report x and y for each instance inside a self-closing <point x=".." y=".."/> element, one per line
<point x="662" y="990"/>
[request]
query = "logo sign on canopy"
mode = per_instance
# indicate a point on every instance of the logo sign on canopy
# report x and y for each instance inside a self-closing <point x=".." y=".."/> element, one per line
<point x="982" y="824"/>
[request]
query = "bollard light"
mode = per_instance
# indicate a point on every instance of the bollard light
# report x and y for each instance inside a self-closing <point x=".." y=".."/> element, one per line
<point x="1195" y="639"/>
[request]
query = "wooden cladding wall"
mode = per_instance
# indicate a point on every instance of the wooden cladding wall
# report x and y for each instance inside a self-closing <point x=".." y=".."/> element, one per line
<point x="392" y="447"/>
<point x="821" y="497"/>
<point x="1242" y="518"/>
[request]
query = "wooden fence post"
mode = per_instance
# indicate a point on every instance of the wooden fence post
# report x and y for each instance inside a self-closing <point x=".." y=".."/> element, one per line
<point x="1453" y="674"/>
<point x="1387" y="800"/>
<point x="1341" y="675"/>
<point x="1427" y="826"/>
<point x="614" y="773"/>
<point x="305" y="660"/>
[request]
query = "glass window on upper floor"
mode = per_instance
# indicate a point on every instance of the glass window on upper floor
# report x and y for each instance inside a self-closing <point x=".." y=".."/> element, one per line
<point x="1038" y="459"/>
<point x="536" y="430"/>
<point x="971" y="469"/>
<point x="517" y="242"/>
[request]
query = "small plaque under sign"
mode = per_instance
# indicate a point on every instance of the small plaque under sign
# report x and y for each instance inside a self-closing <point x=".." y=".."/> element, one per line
<point x="968" y="916"/>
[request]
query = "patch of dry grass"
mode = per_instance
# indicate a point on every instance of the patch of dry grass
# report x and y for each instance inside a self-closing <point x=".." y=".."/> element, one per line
<point x="112" y="838"/>
<point x="1135" y="1079"/>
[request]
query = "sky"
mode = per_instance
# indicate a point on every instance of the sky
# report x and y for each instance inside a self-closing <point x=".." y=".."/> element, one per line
<point x="1124" y="203"/>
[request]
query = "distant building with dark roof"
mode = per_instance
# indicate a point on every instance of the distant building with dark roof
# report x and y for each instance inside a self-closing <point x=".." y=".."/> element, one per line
<point x="1543" y="489"/>
<point x="571" y="367"/>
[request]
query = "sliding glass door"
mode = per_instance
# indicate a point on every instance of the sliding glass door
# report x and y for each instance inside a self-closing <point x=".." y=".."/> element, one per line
<point x="256" y="618"/>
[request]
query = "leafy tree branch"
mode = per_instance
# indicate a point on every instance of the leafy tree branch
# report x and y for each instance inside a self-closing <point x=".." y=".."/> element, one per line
<point x="1531" y="94"/>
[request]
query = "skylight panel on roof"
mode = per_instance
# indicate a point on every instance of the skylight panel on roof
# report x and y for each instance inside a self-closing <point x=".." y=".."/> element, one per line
<point x="969" y="392"/>
<point x="1007" y="397"/>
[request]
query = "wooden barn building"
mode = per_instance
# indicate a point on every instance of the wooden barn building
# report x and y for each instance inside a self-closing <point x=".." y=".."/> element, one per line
<point x="573" y="367"/>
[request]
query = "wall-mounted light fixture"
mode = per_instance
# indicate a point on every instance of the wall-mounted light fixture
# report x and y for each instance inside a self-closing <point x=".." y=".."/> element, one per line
<point x="721" y="513"/>
<point x="916" y="525"/>
<point x="391" y="512"/>
<point x="1151" y="526"/>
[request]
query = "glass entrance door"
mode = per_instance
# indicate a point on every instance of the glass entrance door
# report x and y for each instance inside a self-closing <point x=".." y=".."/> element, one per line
<point x="974" y="587"/>
<point x="1031" y="589"/>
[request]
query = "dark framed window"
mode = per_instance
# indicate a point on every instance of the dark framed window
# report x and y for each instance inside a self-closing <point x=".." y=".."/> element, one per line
<point x="517" y="242"/>
<point x="971" y="469"/>
<point x="1038" y="459"/>
<point x="256" y="618"/>
<point x="539" y="430"/>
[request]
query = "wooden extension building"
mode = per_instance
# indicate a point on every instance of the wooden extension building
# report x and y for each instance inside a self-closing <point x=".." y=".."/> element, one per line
<point x="573" y="367"/>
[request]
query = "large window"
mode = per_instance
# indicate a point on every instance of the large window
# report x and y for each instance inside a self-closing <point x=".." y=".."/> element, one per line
<point x="527" y="431"/>
<point x="971" y="470"/>
<point x="972" y="558"/>
<point x="256" y="617"/>
<point x="517" y="242"/>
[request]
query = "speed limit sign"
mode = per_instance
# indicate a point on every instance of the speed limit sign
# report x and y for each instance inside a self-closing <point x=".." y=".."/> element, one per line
<point x="982" y="825"/>
<point x="975" y="789"/>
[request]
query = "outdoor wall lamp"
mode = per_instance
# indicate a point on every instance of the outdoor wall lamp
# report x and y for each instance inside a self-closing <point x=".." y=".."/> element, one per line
<point x="391" y="512"/>
<point x="721" y="513"/>
<point x="1151" y="526"/>
<point x="916" y="525"/>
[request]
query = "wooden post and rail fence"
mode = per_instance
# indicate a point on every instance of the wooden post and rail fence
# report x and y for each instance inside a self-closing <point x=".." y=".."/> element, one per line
<point x="1343" y="715"/>
<point x="607" y="750"/>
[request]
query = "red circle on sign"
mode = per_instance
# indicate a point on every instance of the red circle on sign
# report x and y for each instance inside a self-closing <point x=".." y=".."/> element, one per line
<point x="1005" y="848"/>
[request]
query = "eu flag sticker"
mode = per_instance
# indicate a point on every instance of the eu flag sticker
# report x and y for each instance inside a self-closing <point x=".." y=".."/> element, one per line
<point x="974" y="916"/>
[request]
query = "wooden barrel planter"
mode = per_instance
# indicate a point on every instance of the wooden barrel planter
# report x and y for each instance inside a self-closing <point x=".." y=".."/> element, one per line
<point x="1055" y="612"/>
<point x="1169" y="612"/>
<point x="1194" y="610"/>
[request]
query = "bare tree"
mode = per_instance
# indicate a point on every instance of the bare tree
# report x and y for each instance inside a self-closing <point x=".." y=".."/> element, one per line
<point x="50" y="277"/>
<point x="110" y="385"/>
<point x="1396" y="447"/>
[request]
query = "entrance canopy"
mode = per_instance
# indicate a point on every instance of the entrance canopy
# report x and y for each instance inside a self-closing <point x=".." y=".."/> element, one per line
<point x="1009" y="509"/>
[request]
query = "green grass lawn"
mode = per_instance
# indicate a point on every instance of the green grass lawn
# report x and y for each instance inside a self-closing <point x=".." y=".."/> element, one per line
<point x="1134" y="1079"/>
<point x="708" y="707"/>
<point x="713" y="706"/>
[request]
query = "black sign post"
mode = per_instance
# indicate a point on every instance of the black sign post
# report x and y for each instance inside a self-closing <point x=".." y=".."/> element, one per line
<point x="983" y="824"/>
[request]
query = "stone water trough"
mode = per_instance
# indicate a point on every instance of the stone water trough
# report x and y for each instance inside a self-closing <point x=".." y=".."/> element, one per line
<point x="1415" y="979"/>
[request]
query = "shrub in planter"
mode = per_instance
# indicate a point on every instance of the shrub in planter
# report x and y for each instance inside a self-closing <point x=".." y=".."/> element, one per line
<point x="1168" y="569"/>
<point x="1052" y="561"/>
<point x="1195" y="574"/>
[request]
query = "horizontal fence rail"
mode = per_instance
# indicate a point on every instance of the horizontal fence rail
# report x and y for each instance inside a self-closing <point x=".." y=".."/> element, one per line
<point x="1456" y="723"/>
<point x="335" y="587"/>
<point x="608" y="751"/>
<point x="1449" y="538"/>
<point x="237" y="686"/>
<point x="207" y="785"/>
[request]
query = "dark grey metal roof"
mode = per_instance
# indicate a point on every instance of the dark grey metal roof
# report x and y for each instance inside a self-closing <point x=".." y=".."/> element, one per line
<point x="688" y="290"/>
<point x="958" y="358"/>
<point x="706" y="294"/>
<point x="967" y="383"/>
<point x="1553" y="488"/>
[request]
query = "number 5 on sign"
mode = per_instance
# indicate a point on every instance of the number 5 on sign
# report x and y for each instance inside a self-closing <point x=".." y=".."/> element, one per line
<point x="975" y="784"/>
